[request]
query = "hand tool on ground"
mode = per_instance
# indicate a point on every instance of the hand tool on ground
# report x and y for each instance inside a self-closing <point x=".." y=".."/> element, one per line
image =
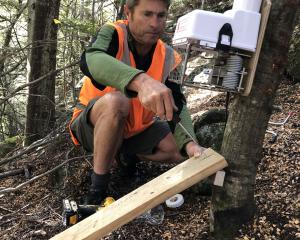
<point x="274" y="134"/>
<point x="73" y="212"/>
<point x="284" y="121"/>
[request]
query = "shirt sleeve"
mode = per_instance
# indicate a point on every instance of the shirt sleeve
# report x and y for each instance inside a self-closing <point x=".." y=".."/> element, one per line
<point x="102" y="67"/>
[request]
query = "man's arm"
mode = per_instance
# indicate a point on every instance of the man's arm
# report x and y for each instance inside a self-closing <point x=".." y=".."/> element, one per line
<point x="100" y="64"/>
<point x="108" y="71"/>
<point x="154" y="96"/>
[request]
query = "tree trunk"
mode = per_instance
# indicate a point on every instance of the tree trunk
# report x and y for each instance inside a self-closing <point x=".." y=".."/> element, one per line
<point x="234" y="205"/>
<point x="121" y="10"/>
<point x="42" y="59"/>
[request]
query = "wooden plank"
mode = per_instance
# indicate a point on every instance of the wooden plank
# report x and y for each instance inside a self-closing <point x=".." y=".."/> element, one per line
<point x="146" y="197"/>
<point x="265" y="11"/>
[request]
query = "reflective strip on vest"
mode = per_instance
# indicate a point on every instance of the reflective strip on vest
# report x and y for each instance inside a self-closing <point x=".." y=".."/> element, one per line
<point x="80" y="106"/>
<point x="126" y="56"/>
<point x="169" y="59"/>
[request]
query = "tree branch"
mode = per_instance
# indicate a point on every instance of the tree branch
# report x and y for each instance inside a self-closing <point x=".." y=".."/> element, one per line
<point x="36" y="144"/>
<point x="13" y="67"/>
<point x="3" y="100"/>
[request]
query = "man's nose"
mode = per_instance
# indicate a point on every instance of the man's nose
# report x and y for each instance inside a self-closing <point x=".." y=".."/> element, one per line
<point x="155" y="22"/>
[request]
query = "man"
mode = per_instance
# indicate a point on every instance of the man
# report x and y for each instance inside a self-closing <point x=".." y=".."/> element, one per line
<point x="125" y="90"/>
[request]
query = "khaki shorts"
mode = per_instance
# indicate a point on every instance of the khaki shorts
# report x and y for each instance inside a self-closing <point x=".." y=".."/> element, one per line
<point x="142" y="143"/>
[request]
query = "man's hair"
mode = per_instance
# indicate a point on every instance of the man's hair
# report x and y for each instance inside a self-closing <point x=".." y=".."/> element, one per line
<point x="132" y="3"/>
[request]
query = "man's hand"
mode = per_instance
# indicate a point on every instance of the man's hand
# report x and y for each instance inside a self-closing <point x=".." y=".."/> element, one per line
<point x="154" y="96"/>
<point x="194" y="150"/>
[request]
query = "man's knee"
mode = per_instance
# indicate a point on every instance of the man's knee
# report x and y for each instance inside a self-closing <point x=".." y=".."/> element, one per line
<point x="117" y="102"/>
<point x="178" y="157"/>
<point x="169" y="146"/>
<point x="175" y="156"/>
<point x="114" y="105"/>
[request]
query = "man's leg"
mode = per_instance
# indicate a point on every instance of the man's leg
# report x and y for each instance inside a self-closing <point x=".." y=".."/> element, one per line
<point x="108" y="116"/>
<point x="166" y="151"/>
<point x="155" y="143"/>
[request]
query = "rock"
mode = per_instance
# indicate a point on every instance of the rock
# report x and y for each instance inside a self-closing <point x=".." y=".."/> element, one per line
<point x="211" y="135"/>
<point x="209" y="128"/>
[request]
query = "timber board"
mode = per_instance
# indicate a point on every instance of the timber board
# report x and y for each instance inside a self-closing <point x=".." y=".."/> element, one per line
<point x="146" y="197"/>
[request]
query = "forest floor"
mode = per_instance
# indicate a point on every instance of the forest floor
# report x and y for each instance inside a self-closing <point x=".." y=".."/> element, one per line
<point x="34" y="210"/>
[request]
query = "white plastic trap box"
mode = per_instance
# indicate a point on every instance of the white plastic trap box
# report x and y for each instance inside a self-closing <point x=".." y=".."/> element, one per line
<point x="225" y="47"/>
<point x="205" y="26"/>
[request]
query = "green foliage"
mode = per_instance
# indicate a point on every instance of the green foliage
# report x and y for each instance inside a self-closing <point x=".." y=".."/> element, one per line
<point x="179" y="7"/>
<point x="219" y="6"/>
<point x="8" y="145"/>
<point x="84" y="27"/>
<point x="9" y="4"/>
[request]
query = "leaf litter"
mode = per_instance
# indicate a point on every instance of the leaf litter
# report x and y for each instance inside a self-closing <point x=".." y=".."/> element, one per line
<point x="34" y="212"/>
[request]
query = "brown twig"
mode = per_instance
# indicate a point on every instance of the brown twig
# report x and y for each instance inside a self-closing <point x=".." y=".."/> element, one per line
<point x="13" y="67"/>
<point x="13" y="213"/>
<point x="5" y="209"/>
<point x="14" y="172"/>
<point x="13" y="189"/>
<point x="29" y="148"/>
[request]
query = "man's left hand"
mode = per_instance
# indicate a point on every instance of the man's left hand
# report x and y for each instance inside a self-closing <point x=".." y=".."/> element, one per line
<point x="194" y="150"/>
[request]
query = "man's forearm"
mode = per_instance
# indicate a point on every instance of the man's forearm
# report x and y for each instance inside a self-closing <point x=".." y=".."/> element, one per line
<point x="136" y="83"/>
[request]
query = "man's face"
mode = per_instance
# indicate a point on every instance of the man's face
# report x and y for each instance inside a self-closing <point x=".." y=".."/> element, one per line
<point x="147" y="21"/>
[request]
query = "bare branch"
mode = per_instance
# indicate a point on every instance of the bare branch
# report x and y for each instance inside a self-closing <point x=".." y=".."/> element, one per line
<point x="3" y="100"/>
<point x="13" y="67"/>
<point x="13" y="213"/>
<point x="39" y="143"/>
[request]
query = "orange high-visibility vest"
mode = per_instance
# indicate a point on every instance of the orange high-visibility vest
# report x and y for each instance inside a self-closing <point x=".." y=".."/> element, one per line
<point x="165" y="59"/>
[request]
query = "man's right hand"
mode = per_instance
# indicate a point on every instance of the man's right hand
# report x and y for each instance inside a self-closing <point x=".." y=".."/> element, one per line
<point x="154" y="96"/>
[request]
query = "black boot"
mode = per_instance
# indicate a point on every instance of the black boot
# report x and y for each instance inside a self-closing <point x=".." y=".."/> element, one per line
<point x="127" y="164"/>
<point x="94" y="197"/>
<point x="97" y="192"/>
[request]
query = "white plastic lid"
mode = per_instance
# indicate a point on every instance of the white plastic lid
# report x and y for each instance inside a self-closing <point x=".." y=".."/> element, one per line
<point x="248" y="5"/>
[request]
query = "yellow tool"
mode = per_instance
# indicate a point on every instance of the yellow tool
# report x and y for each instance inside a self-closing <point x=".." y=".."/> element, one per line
<point x="73" y="213"/>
